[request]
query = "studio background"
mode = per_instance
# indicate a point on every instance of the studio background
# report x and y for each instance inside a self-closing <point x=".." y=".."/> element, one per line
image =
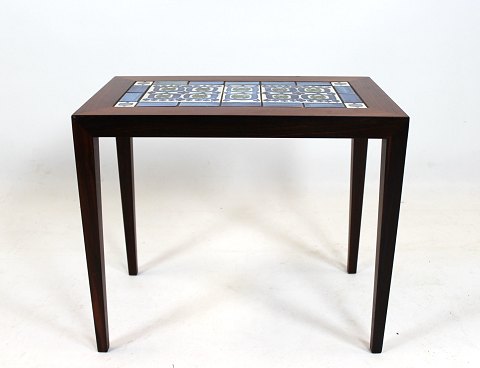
<point x="242" y="242"/>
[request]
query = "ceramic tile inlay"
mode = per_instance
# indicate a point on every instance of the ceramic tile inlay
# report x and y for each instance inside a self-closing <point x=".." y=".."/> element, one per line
<point x="241" y="93"/>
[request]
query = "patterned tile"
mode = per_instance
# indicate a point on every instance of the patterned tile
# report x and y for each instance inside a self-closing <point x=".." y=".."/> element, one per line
<point x="169" y="94"/>
<point x="202" y="94"/>
<point x="206" y="82"/>
<point x="228" y="83"/>
<point x="313" y="84"/>
<point x="241" y="93"/>
<point x="281" y="83"/>
<point x="170" y="82"/>
<point x="304" y="94"/>
<point x="338" y="84"/>
<point x="355" y="106"/>
<point x="125" y="104"/>
<point x="158" y="104"/>
<point x="199" y="102"/>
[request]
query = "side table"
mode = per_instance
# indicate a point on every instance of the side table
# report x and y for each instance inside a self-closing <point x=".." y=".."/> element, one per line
<point x="241" y="107"/>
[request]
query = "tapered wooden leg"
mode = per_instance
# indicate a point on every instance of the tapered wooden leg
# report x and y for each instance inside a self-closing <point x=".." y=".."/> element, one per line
<point x="357" y="184"/>
<point x="88" y="176"/>
<point x="125" y="169"/>
<point x="393" y="161"/>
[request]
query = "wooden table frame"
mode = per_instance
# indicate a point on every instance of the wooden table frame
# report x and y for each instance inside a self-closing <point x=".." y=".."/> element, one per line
<point x="383" y="119"/>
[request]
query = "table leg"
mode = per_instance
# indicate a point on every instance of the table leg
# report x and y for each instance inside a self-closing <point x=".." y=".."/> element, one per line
<point x="88" y="176"/>
<point x="391" y="179"/>
<point x="125" y="170"/>
<point x="357" y="183"/>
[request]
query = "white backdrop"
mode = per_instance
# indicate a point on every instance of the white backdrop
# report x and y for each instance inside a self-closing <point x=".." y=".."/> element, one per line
<point x="56" y="54"/>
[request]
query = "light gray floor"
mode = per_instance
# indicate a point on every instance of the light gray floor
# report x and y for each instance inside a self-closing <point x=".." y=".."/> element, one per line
<point x="236" y="274"/>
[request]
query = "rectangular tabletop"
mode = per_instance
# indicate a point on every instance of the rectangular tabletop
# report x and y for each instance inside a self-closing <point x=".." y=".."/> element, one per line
<point x="129" y="106"/>
<point x="376" y="101"/>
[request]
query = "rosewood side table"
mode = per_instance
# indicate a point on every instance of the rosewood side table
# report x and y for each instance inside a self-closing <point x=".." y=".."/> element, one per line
<point x="245" y="107"/>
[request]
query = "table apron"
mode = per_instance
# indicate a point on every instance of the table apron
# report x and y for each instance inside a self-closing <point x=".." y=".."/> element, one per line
<point x="208" y="126"/>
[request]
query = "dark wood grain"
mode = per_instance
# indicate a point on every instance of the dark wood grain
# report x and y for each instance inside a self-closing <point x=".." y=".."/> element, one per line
<point x="357" y="184"/>
<point x="391" y="179"/>
<point x="127" y="190"/>
<point x="383" y="119"/>
<point x="241" y="126"/>
<point x="88" y="175"/>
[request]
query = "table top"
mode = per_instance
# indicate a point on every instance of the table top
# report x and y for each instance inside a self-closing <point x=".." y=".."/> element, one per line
<point x="241" y="95"/>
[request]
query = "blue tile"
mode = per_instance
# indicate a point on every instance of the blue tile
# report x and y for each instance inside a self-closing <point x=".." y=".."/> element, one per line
<point x="326" y="105"/>
<point x="319" y="98"/>
<point x="253" y="103"/>
<point x="279" y="88"/>
<point x="206" y="82"/>
<point x="130" y="97"/>
<point x="138" y="88"/>
<point x="316" y="90"/>
<point x="228" y="83"/>
<point x="201" y="96"/>
<point x="282" y="104"/>
<point x="166" y="104"/>
<point x="340" y="84"/>
<point x="275" y="83"/>
<point x="350" y="98"/>
<point x="240" y="94"/>
<point x="200" y="104"/>
<point x="167" y="89"/>
<point x="170" y="82"/>
<point x="345" y="90"/>
<point x="313" y="84"/>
